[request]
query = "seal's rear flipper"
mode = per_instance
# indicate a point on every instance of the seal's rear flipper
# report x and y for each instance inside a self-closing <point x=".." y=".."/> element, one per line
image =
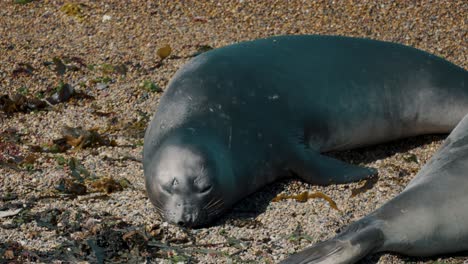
<point x="348" y="247"/>
<point x="319" y="169"/>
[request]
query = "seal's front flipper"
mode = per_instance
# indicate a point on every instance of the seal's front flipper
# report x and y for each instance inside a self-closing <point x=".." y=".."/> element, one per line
<point x="348" y="247"/>
<point x="319" y="169"/>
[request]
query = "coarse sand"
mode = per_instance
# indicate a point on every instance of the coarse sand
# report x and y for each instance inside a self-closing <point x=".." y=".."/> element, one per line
<point x="107" y="50"/>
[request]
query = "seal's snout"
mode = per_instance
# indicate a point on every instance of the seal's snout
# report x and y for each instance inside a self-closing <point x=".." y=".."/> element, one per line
<point x="188" y="220"/>
<point x="186" y="215"/>
<point x="197" y="211"/>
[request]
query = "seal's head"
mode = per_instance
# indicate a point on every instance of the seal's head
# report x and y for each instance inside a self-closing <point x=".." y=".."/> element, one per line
<point x="188" y="183"/>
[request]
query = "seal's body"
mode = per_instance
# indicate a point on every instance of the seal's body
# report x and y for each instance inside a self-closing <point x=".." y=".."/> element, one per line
<point x="237" y="118"/>
<point x="429" y="217"/>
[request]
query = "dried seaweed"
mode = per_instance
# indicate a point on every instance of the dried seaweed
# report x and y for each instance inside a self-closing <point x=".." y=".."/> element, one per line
<point x="14" y="252"/>
<point x="23" y="69"/>
<point x="304" y="196"/>
<point x="299" y="235"/>
<point x="65" y="64"/>
<point x="69" y="186"/>
<point x="107" y="185"/>
<point x="11" y="155"/>
<point x="23" y="2"/>
<point x="164" y="51"/>
<point x="201" y="49"/>
<point x="81" y="138"/>
<point x="411" y="158"/>
<point x="151" y="86"/>
<point x="245" y="223"/>
<point x="75" y="10"/>
<point x="76" y="138"/>
<point x="22" y="217"/>
<point x="8" y="196"/>
<point x="367" y="185"/>
<point x="48" y="218"/>
<point x="20" y="103"/>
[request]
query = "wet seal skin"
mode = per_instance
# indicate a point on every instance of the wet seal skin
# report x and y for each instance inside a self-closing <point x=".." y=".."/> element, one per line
<point x="236" y="118"/>
<point x="430" y="217"/>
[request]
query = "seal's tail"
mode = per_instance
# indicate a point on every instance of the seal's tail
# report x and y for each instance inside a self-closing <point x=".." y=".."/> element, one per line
<point x="353" y="244"/>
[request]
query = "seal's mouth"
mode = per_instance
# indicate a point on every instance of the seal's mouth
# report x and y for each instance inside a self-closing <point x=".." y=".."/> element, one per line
<point x="192" y="215"/>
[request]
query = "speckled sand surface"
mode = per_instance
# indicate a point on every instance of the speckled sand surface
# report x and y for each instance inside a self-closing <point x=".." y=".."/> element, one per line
<point x="130" y="32"/>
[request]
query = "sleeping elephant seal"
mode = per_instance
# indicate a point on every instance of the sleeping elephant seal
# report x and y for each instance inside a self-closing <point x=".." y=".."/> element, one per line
<point x="429" y="217"/>
<point x="236" y="118"/>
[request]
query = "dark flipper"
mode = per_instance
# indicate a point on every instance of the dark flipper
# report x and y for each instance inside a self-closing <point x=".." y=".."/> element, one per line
<point x="353" y="244"/>
<point x="315" y="168"/>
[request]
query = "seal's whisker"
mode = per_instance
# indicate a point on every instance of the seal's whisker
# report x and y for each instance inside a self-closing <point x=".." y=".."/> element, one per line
<point x="214" y="212"/>
<point x="209" y="203"/>
<point x="218" y="201"/>
<point x="217" y="207"/>
<point x="157" y="202"/>
<point x="216" y="204"/>
<point x="159" y="211"/>
<point x="159" y="208"/>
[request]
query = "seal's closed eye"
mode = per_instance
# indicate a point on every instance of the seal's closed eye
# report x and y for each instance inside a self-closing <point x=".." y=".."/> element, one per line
<point x="206" y="189"/>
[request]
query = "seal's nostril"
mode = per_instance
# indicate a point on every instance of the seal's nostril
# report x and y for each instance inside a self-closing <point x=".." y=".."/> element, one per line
<point x="181" y="223"/>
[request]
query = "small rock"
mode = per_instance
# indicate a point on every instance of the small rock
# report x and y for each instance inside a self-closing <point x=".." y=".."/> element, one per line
<point x="106" y="18"/>
<point x="102" y="86"/>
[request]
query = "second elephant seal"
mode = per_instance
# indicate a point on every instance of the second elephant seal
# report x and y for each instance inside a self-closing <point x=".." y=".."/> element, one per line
<point x="430" y="217"/>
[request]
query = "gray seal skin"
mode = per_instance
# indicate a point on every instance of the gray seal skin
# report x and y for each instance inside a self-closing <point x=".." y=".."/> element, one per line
<point x="236" y="118"/>
<point x="430" y="217"/>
